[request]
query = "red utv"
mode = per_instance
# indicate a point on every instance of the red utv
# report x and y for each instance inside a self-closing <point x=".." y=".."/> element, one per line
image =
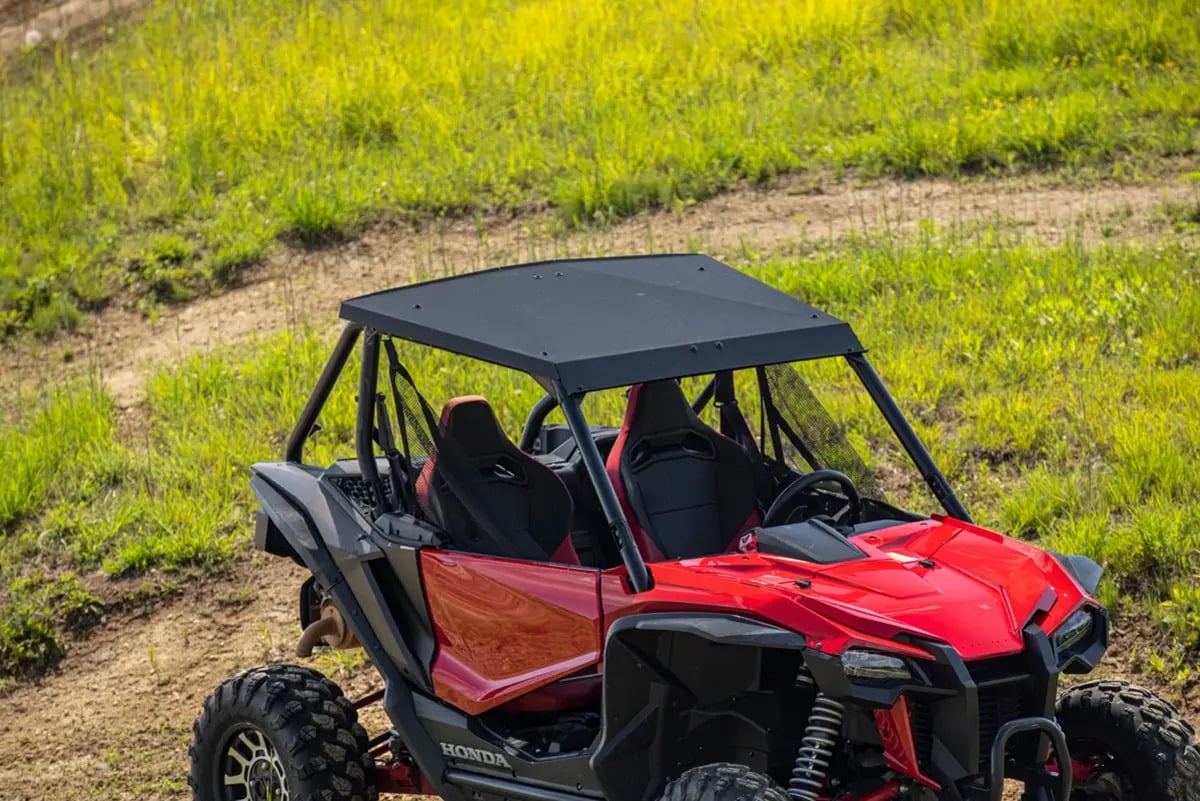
<point x="707" y="598"/>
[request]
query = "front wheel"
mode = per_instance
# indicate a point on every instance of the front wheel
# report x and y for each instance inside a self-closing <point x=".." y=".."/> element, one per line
<point x="723" y="781"/>
<point x="280" y="733"/>
<point x="1127" y="744"/>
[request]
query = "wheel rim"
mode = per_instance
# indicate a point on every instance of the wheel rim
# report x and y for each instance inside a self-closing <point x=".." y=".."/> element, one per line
<point x="250" y="768"/>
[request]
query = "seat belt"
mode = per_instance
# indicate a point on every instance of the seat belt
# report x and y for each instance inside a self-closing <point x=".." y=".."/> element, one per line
<point x="734" y="426"/>
<point x="521" y="545"/>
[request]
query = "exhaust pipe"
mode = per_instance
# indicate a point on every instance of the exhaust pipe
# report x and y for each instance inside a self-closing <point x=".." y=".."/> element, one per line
<point x="330" y="630"/>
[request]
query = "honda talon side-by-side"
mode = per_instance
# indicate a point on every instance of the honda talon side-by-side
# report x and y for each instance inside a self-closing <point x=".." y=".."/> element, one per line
<point x="679" y="580"/>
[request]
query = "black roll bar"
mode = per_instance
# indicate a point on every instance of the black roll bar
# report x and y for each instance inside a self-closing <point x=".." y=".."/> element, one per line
<point x="320" y="393"/>
<point x="548" y="403"/>
<point x="908" y="438"/>
<point x="640" y="579"/>
<point x="364" y="428"/>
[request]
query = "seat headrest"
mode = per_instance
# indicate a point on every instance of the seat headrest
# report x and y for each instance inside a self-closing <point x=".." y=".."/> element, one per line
<point x="662" y="404"/>
<point x="472" y="423"/>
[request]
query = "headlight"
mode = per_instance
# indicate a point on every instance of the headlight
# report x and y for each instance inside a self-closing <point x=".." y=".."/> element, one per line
<point x="1076" y="627"/>
<point x="872" y="665"/>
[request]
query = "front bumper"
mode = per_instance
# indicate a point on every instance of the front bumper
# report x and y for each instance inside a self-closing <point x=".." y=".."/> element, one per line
<point x="972" y="724"/>
<point x="1041" y="783"/>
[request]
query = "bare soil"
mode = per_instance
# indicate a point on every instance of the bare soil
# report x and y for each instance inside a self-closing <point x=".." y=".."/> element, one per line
<point x="28" y="23"/>
<point x="114" y="722"/>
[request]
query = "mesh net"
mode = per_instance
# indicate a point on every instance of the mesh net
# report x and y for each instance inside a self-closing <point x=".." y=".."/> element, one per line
<point x="461" y="496"/>
<point x="823" y="443"/>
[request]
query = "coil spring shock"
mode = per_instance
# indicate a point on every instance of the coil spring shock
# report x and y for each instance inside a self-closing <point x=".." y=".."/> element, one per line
<point x="816" y="749"/>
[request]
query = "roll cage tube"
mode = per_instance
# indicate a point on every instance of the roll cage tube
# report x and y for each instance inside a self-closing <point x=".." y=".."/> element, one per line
<point x="365" y="424"/>
<point x="908" y="438"/>
<point x="320" y="393"/>
<point x="640" y="579"/>
<point x="548" y="403"/>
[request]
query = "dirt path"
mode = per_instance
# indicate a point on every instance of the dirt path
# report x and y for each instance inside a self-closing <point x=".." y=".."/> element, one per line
<point x="115" y="721"/>
<point x="27" y="23"/>
<point x="297" y="287"/>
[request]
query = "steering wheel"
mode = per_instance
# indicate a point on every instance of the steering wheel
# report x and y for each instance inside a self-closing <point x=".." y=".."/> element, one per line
<point x="786" y="501"/>
<point x="537" y="417"/>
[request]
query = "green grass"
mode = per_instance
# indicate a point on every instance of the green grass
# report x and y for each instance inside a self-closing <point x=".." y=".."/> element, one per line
<point x="1058" y="387"/>
<point x="165" y="162"/>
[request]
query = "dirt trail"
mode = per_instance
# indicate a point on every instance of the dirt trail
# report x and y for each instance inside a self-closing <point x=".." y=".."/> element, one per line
<point x="114" y="723"/>
<point x="28" y="23"/>
<point x="296" y="287"/>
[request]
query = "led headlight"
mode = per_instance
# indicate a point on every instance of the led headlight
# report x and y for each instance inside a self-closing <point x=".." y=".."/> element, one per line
<point x="872" y="665"/>
<point x="1074" y="629"/>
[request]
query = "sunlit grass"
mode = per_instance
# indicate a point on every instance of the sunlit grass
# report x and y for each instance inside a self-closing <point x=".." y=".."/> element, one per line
<point x="167" y="160"/>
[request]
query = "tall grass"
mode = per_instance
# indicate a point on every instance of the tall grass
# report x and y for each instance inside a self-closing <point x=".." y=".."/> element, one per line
<point x="166" y="161"/>
<point x="1059" y="388"/>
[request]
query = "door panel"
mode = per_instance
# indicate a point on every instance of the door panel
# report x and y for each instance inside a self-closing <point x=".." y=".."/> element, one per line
<point x="505" y="627"/>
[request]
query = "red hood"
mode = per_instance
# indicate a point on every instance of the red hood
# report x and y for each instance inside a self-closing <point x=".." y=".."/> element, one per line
<point x="937" y="579"/>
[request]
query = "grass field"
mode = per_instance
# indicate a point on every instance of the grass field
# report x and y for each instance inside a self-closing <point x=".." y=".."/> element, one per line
<point x="165" y="162"/>
<point x="1059" y="388"/>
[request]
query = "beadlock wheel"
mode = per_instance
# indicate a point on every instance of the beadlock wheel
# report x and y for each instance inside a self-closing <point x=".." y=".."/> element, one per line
<point x="280" y="733"/>
<point x="250" y="769"/>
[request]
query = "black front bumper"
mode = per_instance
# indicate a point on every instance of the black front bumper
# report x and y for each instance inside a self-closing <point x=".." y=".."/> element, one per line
<point x="1040" y="783"/>
<point x="976" y="723"/>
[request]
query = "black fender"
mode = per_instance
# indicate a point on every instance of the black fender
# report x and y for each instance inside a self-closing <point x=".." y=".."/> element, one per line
<point x="285" y="496"/>
<point x="1085" y="571"/>
<point x="684" y="689"/>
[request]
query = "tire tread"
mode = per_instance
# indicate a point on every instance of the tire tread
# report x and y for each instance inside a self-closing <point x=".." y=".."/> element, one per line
<point x="1159" y="738"/>
<point x="313" y="725"/>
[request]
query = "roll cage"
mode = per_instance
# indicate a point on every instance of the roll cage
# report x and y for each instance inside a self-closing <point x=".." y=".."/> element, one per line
<point x="372" y="428"/>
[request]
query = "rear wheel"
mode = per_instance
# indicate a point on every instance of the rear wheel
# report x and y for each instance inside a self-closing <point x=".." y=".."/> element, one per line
<point x="1127" y="744"/>
<point x="280" y="733"/>
<point x="723" y="781"/>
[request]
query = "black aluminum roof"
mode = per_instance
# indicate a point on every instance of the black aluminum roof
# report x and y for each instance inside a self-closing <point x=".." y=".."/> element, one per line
<point x="607" y="322"/>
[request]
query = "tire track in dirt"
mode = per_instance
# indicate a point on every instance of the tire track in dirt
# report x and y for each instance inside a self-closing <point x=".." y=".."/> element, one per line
<point x="295" y="287"/>
<point x="29" y="23"/>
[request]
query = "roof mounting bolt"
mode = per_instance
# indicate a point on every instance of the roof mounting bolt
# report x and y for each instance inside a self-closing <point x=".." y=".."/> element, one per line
<point x="803" y="584"/>
<point x="926" y="563"/>
<point x="558" y="274"/>
<point x="720" y="345"/>
<point x="537" y="278"/>
<point x="700" y="269"/>
<point x="416" y="305"/>
<point x="693" y="348"/>
<point x="815" y="315"/>
<point x="544" y="353"/>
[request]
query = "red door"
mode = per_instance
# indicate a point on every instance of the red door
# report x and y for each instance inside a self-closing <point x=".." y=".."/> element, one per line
<point x="505" y="627"/>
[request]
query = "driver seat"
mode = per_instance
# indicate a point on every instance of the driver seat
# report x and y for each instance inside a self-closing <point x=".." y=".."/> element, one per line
<point x="686" y="490"/>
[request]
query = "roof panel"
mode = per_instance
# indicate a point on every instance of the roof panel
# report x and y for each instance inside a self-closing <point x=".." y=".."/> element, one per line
<point x="595" y="323"/>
